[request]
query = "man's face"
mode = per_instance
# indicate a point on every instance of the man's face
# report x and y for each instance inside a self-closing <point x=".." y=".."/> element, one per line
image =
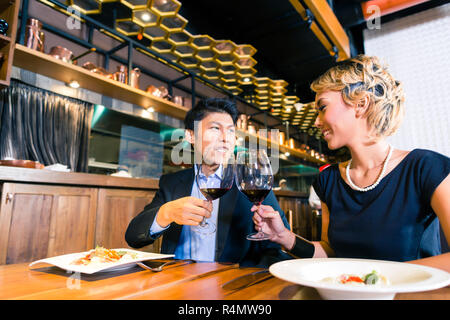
<point x="214" y="138"/>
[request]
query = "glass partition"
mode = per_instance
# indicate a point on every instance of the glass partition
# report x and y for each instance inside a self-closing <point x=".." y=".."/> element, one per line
<point x="132" y="145"/>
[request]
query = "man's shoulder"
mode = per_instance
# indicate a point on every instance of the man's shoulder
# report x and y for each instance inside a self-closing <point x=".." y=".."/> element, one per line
<point x="176" y="176"/>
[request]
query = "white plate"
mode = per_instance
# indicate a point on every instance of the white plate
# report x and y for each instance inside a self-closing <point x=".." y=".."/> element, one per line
<point x="403" y="277"/>
<point x="65" y="261"/>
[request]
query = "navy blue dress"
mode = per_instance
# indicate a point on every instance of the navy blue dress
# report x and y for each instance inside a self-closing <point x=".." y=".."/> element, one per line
<point x="395" y="220"/>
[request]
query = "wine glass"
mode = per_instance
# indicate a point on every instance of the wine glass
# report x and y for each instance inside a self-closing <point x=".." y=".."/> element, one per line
<point x="213" y="188"/>
<point x="254" y="179"/>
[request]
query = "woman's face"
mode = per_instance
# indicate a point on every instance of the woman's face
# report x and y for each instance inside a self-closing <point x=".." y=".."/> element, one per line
<point x="336" y="119"/>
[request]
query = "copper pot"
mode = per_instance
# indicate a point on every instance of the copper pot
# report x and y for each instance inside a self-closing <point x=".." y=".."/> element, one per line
<point x="154" y="91"/>
<point x="61" y="53"/>
<point x="34" y="37"/>
<point x="98" y="70"/>
<point x="121" y="74"/>
<point x="242" y="122"/>
<point x="251" y="128"/>
<point x="89" y="66"/>
<point x="134" y="78"/>
<point x="178" y="100"/>
<point x="164" y="92"/>
<point x="160" y="92"/>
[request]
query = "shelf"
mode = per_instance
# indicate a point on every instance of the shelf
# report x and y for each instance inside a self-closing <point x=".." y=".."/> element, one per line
<point x="293" y="152"/>
<point x="9" y="10"/>
<point x="46" y="65"/>
<point x="4" y="40"/>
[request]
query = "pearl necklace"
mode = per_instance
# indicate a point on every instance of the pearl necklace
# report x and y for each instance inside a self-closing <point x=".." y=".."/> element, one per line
<point x="373" y="186"/>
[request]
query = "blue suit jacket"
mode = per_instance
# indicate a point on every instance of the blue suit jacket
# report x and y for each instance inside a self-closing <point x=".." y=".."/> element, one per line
<point x="234" y="224"/>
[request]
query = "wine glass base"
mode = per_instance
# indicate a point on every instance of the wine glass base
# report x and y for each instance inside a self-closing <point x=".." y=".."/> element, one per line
<point x="206" y="229"/>
<point x="259" y="236"/>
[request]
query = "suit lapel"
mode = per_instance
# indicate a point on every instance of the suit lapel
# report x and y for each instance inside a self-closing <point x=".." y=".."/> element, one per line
<point x="227" y="205"/>
<point x="184" y="188"/>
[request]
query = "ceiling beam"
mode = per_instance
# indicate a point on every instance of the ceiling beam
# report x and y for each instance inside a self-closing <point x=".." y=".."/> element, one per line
<point x="326" y="19"/>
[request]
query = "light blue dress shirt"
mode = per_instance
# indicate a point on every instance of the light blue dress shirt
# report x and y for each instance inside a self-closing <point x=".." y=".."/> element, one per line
<point x="194" y="245"/>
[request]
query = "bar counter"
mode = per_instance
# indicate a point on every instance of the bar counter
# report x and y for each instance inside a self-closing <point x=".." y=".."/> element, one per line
<point x="38" y="206"/>
<point x="43" y="176"/>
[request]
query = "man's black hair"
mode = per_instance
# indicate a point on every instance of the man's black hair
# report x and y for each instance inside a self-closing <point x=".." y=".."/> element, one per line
<point x="205" y="106"/>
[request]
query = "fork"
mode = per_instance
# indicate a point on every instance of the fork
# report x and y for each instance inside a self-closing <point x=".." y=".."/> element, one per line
<point x="164" y="264"/>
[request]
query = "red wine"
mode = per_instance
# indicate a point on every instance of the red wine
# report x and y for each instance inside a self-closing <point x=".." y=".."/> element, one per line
<point x="256" y="195"/>
<point x="214" y="193"/>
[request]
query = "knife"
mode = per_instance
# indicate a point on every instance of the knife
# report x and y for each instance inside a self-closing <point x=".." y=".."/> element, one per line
<point x="247" y="280"/>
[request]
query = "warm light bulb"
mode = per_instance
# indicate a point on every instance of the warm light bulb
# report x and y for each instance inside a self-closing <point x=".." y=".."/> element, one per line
<point x="145" y="17"/>
<point x="151" y="109"/>
<point x="74" y="84"/>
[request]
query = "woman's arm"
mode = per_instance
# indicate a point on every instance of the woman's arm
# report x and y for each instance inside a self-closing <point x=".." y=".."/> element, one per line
<point x="440" y="202"/>
<point x="322" y="247"/>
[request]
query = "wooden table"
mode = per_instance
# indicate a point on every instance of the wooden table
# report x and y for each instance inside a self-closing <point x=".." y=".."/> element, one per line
<point x="195" y="281"/>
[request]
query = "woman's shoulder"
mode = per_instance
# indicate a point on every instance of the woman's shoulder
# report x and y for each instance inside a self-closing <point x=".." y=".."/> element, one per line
<point x="426" y="156"/>
<point x="429" y="169"/>
<point x="425" y="166"/>
<point x="427" y="152"/>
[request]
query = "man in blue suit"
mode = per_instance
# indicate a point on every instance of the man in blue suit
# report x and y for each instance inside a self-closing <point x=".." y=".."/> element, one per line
<point x="178" y="204"/>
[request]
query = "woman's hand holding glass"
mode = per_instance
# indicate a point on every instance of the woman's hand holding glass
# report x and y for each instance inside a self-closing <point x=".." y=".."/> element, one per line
<point x="269" y="221"/>
<point x="254" y="178"/>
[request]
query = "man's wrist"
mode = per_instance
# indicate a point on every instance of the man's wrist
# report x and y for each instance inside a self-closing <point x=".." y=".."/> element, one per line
<point x="161" y="217"/>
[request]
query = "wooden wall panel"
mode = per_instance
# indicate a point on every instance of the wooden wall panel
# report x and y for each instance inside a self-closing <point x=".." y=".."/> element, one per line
<point x="116" y="208"/>
<point x="28" y="235"/>
<point x="38" y="221"/>
<point x="302" y="220"/>
<point x="73" y="222"/>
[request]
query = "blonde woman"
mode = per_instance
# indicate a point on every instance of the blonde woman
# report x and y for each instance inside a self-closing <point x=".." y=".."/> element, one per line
<point x="384" y="203"/>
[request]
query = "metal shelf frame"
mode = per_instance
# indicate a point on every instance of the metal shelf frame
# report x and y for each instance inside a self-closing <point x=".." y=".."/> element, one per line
<point x="171" y="83"/>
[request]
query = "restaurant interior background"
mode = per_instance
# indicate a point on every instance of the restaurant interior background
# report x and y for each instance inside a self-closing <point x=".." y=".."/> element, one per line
<point x="262" y="54"/>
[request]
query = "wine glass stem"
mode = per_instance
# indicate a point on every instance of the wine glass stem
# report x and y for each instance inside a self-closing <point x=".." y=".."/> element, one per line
<point x="203" y="223"/>
<point x="258" y="204"/>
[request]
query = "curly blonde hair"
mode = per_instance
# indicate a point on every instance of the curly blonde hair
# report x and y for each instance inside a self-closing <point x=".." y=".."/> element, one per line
<point x="364" y="76"/>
